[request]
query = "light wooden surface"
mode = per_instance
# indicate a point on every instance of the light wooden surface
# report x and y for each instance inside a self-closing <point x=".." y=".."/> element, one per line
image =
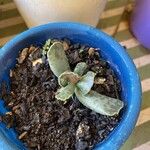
<point x="114" y="21"/>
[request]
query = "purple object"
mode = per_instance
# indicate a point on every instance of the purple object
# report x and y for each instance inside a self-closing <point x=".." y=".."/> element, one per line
<point x="140" y="22"/>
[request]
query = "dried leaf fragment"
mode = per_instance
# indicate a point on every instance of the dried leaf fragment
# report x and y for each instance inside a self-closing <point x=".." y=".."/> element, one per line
<point x="68" y="77"/>
<point x="23" y="55"/>
<point x="21" y="136"/>
<point x="65" y="45"/>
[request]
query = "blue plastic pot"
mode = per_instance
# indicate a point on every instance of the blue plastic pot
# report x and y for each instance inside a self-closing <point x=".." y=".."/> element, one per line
<point x="110" y="50"/>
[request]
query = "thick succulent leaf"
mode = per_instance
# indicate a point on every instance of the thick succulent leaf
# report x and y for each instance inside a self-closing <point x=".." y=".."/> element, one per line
<point x="65" y="93"/>
<point x="80" y="68"/>
<point x="100" y="103"/>
<point x="68" y="77"/>
<point x="86" y="83"/>
<point x="57" y="59"/>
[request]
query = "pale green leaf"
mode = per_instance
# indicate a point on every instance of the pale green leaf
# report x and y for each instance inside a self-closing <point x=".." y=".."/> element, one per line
<point x="86" y="83"/>
<point x="100" y="103"/>
<point x="68" y="77"/>
<point x="57" y="59"/>
<point x="80" y="68"/>
<point x="65" y="93"/>
<point x="46" y="46"/>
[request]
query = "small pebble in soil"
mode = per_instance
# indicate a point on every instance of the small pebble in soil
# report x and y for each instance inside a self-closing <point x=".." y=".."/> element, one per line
<point x="44" y="123"/>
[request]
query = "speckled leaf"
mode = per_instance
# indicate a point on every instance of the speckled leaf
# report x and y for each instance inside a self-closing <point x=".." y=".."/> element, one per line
<point x="86" y="83"/>
<point x="80" y="68"/>
<point x="46" y="46"/>
<point x="57" y="59"/>
<point x="65" y="93"/>
<point x="100" y="103"/>
<point x="68" y="77"/>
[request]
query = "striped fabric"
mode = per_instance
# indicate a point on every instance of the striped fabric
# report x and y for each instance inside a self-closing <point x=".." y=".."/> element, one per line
<point x="114" y="21"/>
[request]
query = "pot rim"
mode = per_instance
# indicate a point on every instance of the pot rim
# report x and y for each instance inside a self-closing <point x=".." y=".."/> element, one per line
<point x="127" y="123"/>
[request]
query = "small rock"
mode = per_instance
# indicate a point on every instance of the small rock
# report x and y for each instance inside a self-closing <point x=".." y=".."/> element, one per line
<point x="100" y="133"/>
<point x="9" y="113"/>
<point x="81" y="145"/>
<point x="99" y="80"/>
<point x="26" y="128"/>
<point x="11" y="73"/>
<point x="46" y="85"/>
<point x="96" y="62"/>
<point x="36" y="118"/>
<point x="13" y="94"/>
<point x="39" y="60"/>
<point x="36" y="68"/>
<point x="91" y="51"/>
<point x="15" y="107"/>
<point x="80" y="51"/>
<point x="10" y="104"/>
<point x="82" y="130"/>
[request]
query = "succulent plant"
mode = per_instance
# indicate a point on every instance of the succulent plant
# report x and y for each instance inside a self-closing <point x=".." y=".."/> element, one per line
<point x="78" y="81"/>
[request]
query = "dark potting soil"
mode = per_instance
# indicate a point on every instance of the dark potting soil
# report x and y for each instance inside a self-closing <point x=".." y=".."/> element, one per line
<point x="44" y="123"/>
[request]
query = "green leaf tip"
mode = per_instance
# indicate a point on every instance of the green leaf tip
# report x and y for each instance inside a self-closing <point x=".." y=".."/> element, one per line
<point x="65" y="93"/>
<point x="57" y="59"/>
<point x="86" y="83"/>
<point x="100" y="103"/>
<point x="80" y="68"/>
